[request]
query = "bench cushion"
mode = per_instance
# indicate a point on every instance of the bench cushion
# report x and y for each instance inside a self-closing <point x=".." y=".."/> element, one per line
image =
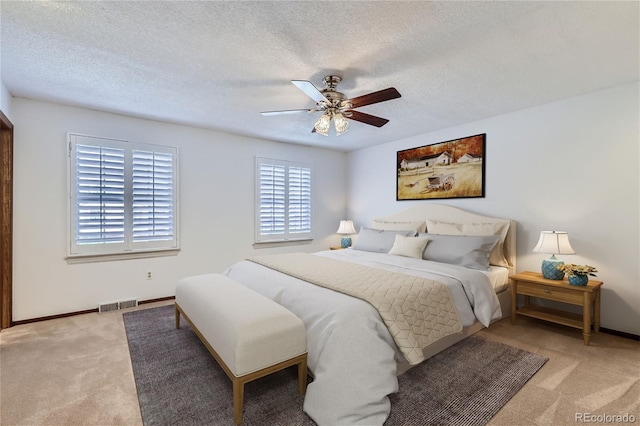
<point x="248" y="331"/>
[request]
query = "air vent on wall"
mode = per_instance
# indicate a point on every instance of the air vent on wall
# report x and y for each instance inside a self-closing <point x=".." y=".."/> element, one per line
<point x="114" y="306"/>
<point x="128" y="304"/>
<point x="106" y="307"/>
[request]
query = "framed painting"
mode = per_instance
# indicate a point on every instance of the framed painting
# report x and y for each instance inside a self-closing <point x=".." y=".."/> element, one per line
<point x="451" y="169"/>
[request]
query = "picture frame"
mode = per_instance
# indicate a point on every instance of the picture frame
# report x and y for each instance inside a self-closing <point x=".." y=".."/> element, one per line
<point x="449" y="169"/>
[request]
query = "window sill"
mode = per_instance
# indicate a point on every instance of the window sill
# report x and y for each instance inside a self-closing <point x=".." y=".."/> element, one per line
<point x="92" y="258"/>
<point x="280" y="243"/>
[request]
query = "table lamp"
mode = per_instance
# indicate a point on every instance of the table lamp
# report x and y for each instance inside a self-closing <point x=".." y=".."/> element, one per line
<point x="554" y="242"/>
<point x="346" y="228"/>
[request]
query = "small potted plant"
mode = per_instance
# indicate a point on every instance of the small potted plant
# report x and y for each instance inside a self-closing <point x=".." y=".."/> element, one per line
<point x="578" y="274"/>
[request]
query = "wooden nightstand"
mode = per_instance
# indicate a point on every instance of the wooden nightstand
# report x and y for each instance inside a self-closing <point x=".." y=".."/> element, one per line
<point x="336" y="248"/>
<point x="533" y="284"/>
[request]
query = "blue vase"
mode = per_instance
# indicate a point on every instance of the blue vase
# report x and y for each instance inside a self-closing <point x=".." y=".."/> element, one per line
<point x="578" y="279"/>
<point x="550" y="268"/>
<point x="345" y="242"/>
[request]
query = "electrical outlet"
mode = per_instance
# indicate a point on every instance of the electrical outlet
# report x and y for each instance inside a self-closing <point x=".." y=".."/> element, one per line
<point x="149" y="275"/>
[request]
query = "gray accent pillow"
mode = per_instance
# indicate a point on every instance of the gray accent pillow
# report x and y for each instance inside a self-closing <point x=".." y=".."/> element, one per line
<point x="470" y="251"/>
<point x="377" y="240"/>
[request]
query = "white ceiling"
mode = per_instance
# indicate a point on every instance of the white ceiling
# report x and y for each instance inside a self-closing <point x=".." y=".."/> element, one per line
<point x="218" y="64"/>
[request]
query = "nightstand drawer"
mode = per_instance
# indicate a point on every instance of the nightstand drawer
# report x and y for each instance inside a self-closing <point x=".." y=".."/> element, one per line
<point x="550" y="292"/>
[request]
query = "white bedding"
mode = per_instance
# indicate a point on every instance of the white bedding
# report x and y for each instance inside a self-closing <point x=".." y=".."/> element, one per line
<point x="351" y="354"/>
<point x="498" y="278"/>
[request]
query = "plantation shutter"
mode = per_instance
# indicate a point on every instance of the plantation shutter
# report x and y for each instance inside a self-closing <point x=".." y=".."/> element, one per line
<point x="272" y="195"/>
<point x="283" y="208"/>
<point x="99" y="186"/>
<point x="299" y="200"/>
<point x="152" y="196"/>
<point x="123" y="197"/>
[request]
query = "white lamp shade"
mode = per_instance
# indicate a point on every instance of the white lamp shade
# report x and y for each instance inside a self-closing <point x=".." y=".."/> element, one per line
<point x="346" y="227"/>
<point x="554" y="242"/>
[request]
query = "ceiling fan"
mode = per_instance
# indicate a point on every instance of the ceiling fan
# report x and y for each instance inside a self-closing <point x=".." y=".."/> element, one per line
<point x="337" y="107"/>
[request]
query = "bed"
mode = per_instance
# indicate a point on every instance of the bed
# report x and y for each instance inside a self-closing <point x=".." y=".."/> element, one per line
<point x="354" y="357"/>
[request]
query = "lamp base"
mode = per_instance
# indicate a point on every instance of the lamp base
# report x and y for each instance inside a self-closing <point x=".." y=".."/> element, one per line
<point x="550" y="270"/>
<point x="345" y="242"/>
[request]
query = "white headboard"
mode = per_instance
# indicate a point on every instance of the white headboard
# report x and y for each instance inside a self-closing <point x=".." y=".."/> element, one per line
<point x="446" y="213"/>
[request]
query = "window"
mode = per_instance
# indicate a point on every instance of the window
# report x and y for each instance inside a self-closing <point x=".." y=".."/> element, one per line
<point x="123" y="197"/>
<point x="283" y="201"/>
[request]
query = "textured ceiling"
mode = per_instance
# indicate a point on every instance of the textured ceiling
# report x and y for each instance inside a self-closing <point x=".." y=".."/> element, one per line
<point x="218" y="64"/>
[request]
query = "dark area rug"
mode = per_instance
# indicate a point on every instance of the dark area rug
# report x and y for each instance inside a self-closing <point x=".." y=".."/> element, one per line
<point x="179" y="382"/>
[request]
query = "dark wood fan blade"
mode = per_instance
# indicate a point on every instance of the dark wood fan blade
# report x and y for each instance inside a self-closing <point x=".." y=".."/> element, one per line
<point x="288" y="111"/>
<point x="366" y="118"/>
<point x="310" y="90"/>
<point x="374" y="98"/>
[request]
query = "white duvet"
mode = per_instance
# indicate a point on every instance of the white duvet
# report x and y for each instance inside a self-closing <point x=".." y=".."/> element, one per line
<point x="351" y="353"/>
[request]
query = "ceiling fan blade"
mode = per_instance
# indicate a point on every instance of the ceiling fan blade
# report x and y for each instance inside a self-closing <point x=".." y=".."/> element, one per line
<point x="366" y="118"/>
<point x="374" y="97"/>
<point x="288" y="111"/>
<point x="310" y="90"/>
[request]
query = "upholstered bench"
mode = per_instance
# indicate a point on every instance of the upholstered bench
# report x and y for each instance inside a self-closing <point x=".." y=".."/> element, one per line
<point x="249" y="335"/>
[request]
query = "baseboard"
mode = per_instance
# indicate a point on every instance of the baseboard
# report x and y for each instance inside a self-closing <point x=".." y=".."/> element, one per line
<point x="50" y="317"/>
<point x="88" y="311"/>
<point x="620" y="334"/>
<point x="162" y="299"/>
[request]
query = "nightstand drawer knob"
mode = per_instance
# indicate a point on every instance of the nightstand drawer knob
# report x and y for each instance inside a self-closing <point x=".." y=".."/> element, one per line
<point x="547" y="291"/>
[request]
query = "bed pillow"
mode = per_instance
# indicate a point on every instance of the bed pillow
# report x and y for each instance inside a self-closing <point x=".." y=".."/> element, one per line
<point x="409" y="246"/>
<point x="470" y="251"/>
<point x="497" y="255"/>
<point x="377" y="240"/>
<point x="418" y="226"/>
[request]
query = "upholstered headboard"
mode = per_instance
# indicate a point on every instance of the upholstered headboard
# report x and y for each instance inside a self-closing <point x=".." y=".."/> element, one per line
<point x="446" y="213"/>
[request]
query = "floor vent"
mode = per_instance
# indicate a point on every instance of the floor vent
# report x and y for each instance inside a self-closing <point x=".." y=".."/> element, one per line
<point x="106" y="307"/>
<point x="128" y="304"/>
<point x="114" y="306"/>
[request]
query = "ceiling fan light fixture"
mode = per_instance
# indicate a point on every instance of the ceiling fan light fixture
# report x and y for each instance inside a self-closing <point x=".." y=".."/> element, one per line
<point x="341" y="123"/>
<point x="336" y="106"/>
<point x="323" y="124"/>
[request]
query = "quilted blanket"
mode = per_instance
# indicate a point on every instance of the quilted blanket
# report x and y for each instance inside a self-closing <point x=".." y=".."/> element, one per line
<point x="417" y="311"/>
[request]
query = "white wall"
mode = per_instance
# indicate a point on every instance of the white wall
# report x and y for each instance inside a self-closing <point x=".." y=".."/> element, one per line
<point x="5" y="100"/>
<point x="570" y="165"/>
<point x="216" y="172"/>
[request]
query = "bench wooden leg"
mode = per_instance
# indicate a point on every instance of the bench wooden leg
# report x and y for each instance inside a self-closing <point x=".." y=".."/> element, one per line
<point x="302" y="376"/>
<point x="238" y="397"/>
<point x="177" y="316"/>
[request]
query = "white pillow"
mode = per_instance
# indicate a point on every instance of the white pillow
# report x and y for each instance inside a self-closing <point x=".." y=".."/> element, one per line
<point x="491" y="228"/>
<point x="409" y="246"/>
<point x="419" y="226"/>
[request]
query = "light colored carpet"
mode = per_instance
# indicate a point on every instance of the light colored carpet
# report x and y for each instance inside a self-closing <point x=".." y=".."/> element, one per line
<point x="77" y="371"/>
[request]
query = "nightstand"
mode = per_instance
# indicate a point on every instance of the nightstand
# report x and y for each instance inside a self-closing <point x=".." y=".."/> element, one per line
<point x="532" y="284"/>
<point x="336" y="248"/>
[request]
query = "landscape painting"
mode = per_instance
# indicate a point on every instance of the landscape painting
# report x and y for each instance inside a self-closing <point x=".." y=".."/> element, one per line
<point x="451" y="169"/>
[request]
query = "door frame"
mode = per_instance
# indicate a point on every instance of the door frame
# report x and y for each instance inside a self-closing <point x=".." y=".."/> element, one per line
<point x="6" y="221"/>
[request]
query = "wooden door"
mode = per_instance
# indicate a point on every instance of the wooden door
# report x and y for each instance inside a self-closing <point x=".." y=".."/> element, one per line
<point x="6" y="220"/>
